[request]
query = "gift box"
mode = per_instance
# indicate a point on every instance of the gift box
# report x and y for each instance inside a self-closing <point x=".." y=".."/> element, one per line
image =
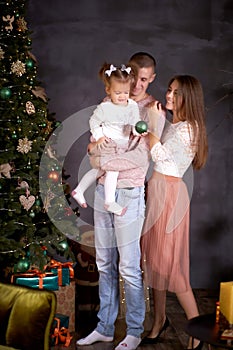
<point x="36" y="280"/>
<point x="66" y="303"/>
<point x="64" y="271"/>
<point x="64" y="320"/>
<point x="60" y="330"/>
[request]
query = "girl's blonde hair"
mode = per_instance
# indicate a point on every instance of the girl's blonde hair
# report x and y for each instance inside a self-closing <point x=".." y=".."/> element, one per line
<point x="192" y="109"/>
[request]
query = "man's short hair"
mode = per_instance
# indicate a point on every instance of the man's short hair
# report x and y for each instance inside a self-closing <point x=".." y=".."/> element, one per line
<point x="143" y="60"/>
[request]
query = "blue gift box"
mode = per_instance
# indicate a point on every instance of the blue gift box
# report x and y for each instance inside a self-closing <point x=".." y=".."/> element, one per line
<point x="47" y="281"/>
<point x="65" y="273"/>
<point x="60" y="321"/>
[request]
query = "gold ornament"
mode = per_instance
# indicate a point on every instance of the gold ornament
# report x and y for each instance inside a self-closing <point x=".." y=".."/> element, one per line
<point x="30" y="108"/>
<point x="27" y="202"/>
<point x="50" y="195"/>
<point x="18" y="68"/>
<point x="22" y="24"/>
<point x="1" y="53"/>
<point x="48" y="128"/>
<point x="39" y="91"/>
<point x="10" y="20"/>
<point x="24" y="145"/>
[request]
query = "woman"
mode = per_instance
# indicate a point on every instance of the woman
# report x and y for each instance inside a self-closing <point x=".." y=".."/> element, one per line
<point x="165" y="239"/>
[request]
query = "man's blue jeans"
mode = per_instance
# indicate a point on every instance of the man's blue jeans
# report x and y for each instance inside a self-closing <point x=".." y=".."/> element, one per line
<point x="117" y="243"/>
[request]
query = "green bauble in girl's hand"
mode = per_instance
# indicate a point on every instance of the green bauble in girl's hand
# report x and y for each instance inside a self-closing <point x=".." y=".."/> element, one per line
<point x="141" y="127"/>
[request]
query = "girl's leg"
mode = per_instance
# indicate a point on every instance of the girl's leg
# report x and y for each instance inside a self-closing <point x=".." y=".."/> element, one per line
<point x="87" y="180"/>
<point x="110" y="185"/>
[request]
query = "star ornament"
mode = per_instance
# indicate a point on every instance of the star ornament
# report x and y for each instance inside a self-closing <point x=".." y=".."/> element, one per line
<point x="24" y="145"/>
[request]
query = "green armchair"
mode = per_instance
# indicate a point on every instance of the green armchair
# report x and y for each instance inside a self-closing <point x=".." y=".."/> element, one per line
<point x="26" y="317"/>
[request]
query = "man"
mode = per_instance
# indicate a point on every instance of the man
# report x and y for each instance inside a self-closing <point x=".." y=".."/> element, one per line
<point x="117" y="238"/>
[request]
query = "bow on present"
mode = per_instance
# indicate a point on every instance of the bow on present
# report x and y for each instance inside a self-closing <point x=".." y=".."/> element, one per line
<point x="32" y="273"/>
<point x="58" y="265"/>
<point x="61" y="334"/>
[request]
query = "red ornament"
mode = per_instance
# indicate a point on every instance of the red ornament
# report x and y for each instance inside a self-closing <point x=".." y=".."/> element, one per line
<point x="53" y="175"/>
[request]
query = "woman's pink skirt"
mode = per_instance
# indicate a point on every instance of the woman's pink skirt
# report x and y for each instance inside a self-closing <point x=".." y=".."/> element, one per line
<point x="165" y="235"/>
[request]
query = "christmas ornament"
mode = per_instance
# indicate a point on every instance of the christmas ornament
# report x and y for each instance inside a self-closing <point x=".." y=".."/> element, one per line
<point x="14" y="135"/>
<point x="1" y="53"/>
<point x="32" y="214"/>
<point x="5" y="170"/>
<point x="38" y="202"/>
<point x="23" y="265"/>
<point x="29" y="63"/>
<point x="141" y="127"/>
<point x="38" y="91"/>
<point x="22" y="184"/>
<point x="53" y="175"/>
<point x="27" y="202"/>
<point x="10" y="20"/>
<point x="18" y="68"/>
<point x="5" y="92"/>
<point x="30" y="108"/>
<point x="22" y="24"/>
<point x="33" y="57"/>
<point x="50" y="152"/>
<point x="50" y="195"/>
<point x="24" y="145"/>
<point x="64" y="245"/>
<point x="48" y="128"/>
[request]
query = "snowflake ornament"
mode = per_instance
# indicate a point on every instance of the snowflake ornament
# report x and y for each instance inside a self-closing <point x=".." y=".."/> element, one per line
<point x="18" y="68"/>
<point x="24" y="145"/>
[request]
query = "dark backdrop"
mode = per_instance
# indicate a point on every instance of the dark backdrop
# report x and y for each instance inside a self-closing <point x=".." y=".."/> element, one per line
<point x="71" y="39"/>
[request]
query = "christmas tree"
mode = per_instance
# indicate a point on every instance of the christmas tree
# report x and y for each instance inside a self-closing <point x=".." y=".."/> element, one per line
<point x="28" y="235"/>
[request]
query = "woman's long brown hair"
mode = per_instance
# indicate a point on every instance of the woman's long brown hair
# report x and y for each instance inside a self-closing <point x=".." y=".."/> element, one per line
<point x="192" y="109"/>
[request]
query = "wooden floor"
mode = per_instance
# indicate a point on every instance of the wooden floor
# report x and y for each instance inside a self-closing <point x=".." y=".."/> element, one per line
<point x="174" y="339"/>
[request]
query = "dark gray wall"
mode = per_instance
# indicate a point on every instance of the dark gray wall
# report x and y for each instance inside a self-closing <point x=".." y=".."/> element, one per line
<point x="71" y="39"/>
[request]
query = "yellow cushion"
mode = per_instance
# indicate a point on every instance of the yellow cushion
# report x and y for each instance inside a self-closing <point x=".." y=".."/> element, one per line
<point x="29" y="313"/>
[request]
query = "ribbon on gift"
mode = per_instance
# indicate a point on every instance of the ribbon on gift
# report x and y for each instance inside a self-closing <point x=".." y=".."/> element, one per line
<point x="58" y="265"/>
<point x="61" y="334"/>
<point x="33" y="273"/>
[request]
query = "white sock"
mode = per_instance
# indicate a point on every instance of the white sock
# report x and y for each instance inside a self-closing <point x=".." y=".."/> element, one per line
<point x="77" y="194"/>
<point x="93" y="338"/>
<point x="87" y="180"/>
<point x="129" y="343"/>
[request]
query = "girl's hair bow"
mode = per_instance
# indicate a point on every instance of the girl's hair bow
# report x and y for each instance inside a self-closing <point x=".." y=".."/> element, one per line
<point x="110" y="70"/>
<point x="125" y="69"/>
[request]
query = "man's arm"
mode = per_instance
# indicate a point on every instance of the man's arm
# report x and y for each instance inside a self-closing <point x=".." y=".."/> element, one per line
<point x="137" y="156"/>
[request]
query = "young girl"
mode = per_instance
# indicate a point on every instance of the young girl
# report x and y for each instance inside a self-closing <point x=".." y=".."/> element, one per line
<point x="113" y="121"/>
<point x="165" y="238"/>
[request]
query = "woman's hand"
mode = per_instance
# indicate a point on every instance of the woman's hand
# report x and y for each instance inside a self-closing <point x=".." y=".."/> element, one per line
<point x="156" y="115"/>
